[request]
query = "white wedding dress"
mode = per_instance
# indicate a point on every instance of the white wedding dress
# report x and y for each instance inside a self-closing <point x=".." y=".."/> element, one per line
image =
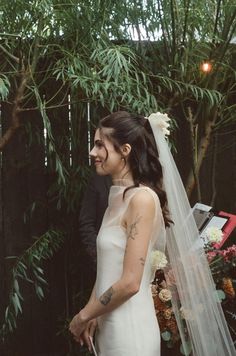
<point x="132" y="328"/>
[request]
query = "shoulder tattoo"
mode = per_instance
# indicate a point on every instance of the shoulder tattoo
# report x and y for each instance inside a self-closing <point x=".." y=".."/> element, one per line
<point x="132" y="230"/>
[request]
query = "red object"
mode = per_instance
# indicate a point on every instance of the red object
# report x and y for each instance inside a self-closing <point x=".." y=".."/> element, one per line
<point x="228" y="227"/>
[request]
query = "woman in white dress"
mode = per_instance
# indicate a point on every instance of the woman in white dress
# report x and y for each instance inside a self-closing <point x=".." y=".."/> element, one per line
<point x="120" y="310"/>
<point x="121" y="305"/>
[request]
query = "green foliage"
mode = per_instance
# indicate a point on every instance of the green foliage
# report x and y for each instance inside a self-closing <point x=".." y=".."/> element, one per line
<point x="28" y="268"/>
<point x="188" y="91"/>
<point x="62" y="174"/>
<point x="4" y="87"/>
<point x="86" y="49"/>
<point x="109" y="76"/>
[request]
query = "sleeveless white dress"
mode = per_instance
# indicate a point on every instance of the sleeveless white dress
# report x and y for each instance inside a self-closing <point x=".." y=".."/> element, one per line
<point x="132" y="328"/>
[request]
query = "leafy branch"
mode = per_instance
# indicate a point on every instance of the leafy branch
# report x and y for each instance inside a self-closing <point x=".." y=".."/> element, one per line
<point x="28" y="267"/>
<point x="212" y="97"/>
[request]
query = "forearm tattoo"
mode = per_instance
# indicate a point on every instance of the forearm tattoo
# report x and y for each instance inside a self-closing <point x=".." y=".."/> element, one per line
<point x="106" y="297"/>
<point x="142" y="261"/>
<point x="132" y="229"/>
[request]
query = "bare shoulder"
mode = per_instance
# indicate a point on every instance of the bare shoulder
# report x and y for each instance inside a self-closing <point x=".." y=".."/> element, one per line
<point x="143" y="198"/>
<point x="141" y="207"/>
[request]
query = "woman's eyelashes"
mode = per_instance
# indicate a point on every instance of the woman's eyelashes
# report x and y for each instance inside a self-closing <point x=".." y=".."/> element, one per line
<point x="99" y="144"/>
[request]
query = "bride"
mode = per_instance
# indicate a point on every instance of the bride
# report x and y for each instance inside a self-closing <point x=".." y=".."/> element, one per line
<point x="146" y="200"/>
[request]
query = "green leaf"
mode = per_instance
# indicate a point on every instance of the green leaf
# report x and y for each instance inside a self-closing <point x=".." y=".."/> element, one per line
<point x="39" y="291"/>
<point x="16" y="286"/>
<point x="4" y="87"/>
<point x="16" y="303"/>
<point x="6" y="312"/>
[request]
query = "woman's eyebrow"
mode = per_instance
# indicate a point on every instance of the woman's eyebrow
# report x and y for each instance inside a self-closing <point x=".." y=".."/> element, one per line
<point x="98" y="141"/>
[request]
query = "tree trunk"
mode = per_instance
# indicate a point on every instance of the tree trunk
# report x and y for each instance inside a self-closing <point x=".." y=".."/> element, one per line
<point x="204" y="143"/>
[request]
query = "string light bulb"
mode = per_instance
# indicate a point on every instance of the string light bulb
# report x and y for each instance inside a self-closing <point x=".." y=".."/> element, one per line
<point x="206" y="67"/>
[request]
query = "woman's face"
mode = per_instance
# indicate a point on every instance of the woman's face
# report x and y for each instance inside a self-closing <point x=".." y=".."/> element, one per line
<point x="106" y="159"/>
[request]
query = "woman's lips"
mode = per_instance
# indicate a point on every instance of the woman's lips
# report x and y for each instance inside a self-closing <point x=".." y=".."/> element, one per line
<point x="97" y="162"/>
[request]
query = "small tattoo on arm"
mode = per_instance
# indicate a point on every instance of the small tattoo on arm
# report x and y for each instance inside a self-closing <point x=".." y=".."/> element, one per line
<point x="142" y="260"/>
<point x="132" y="229"/>
<point x="106" y="297"/>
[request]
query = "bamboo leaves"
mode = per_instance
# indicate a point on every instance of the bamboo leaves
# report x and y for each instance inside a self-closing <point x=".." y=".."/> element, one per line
<point x="4" y="86"/>
<point x="27" y="268"/>
<point x="111" y="76"/>
<point x="213" y="97"/>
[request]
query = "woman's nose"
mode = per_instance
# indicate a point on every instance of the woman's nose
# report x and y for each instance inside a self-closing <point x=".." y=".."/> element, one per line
<point x="92" y="153"/>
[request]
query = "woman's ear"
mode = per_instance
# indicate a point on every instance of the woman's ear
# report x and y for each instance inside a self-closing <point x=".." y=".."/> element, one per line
<point x="125" y="149"/>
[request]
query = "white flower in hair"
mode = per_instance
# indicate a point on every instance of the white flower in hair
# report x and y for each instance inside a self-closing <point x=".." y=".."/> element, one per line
<point x="160" y="120"/>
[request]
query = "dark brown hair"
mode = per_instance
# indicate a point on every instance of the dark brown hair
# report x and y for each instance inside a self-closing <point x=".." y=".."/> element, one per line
<point x="143" y="158"/>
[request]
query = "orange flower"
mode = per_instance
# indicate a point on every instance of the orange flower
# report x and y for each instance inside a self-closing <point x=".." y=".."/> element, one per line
<point x="167" y="313"/>
<point x="227" y="286"/>
<point x="159" y="305"/>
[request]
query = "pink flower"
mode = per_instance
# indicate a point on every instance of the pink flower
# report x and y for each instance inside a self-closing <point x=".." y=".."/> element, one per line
<point x="229" y="253"/>
<point x="211" y="255"/>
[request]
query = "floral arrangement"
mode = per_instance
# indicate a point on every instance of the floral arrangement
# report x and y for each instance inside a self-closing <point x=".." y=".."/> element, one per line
<point x="222" y="264"/>
<point x="165" y="315"/>
<point x="214" y="234"/>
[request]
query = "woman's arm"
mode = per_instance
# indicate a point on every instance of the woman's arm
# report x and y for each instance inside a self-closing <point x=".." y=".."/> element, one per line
<point x="139" y="223"/>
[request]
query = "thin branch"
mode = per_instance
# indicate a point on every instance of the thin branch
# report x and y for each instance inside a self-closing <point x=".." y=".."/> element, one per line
<point x="185" y="23"/>
<point x="15" y="122"/>
<point x="228" y="35"/>
<point x="16" y="59"/>
<point x="216" y="22"/>
<point x="164" y="30"/>
<point x="203" y="146"/>
<point x="173" y="24"/>
<point x="25" y="78"/>
<point x="193" y="141"/>
<point x="213" y="178"/>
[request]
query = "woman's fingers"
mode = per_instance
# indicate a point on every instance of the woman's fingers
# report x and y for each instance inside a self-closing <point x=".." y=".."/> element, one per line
<point x="92" y="329"/>
<point x="76" y="339"/>
<point x="88" y="334"/>
<point x="81" y="341"/>
<point x="87" y="340"/>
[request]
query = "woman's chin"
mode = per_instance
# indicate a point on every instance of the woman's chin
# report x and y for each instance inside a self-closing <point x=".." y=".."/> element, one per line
<point x="100" y="171"/>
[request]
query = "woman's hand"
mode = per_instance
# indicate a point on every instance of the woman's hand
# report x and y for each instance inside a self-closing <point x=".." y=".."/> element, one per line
<point x="89" y="332"/>
<point x="77" y="327"/>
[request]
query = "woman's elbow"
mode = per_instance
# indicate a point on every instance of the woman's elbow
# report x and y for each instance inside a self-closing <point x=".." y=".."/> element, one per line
<point x="132" y="287"/>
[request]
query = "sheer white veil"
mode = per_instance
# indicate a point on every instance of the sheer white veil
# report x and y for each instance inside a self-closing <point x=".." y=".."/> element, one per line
<point x="189" y="276"/>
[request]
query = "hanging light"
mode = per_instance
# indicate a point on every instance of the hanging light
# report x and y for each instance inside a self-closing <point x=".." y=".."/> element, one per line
<point x="206" y="67"/>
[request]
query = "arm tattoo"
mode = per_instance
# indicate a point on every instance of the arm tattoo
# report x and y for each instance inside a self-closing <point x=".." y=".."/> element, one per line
<point x="132" y="229"/>
<point x="142" y="260"/>
<point x="106" y="297"/>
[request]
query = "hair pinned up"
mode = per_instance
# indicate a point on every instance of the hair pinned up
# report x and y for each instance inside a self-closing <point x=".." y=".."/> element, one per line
<point x="143" y="158"/>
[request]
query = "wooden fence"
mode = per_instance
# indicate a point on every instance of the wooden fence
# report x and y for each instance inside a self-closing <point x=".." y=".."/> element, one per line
<point x="26" y="178"/>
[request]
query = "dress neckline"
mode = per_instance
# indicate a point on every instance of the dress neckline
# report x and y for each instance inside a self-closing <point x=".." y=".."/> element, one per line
<point x="122" y="183"/>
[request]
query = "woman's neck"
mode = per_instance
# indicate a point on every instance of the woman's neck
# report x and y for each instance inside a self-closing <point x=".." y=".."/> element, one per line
<point x="123" y="179"/>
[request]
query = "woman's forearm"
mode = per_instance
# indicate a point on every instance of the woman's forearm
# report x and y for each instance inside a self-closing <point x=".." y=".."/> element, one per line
<point x="92" y="295"/>
<point x="116" y="295"/>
